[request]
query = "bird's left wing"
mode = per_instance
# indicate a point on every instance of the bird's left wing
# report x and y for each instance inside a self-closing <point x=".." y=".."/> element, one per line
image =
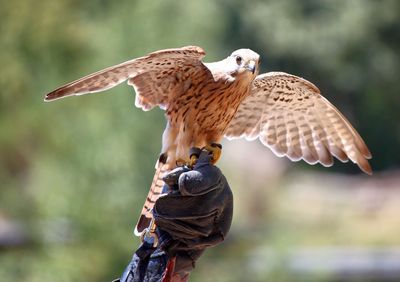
<point x="290" y="116"/>
<point x="156" y="77"/>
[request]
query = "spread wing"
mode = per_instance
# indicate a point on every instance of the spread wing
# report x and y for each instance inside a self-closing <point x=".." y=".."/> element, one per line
<point x="156" y="77"/>
<point x="288" y="114"/>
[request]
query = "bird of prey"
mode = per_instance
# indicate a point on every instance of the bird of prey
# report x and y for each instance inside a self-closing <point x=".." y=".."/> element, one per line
<point x="205" y="102"/>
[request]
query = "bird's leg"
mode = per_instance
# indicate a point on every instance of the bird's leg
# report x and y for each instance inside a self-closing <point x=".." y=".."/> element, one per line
<point x="194" y="154"/>
<point x="216" y="150"/>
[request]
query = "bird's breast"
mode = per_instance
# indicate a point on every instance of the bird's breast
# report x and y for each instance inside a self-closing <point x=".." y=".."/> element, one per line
<point x="200" y="116"/>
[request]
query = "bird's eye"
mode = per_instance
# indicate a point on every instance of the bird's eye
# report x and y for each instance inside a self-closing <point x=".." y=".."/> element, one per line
<point x="239" y="60"/>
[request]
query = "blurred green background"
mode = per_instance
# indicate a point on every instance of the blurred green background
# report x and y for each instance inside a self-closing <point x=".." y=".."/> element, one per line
<point x="74" y="173"/>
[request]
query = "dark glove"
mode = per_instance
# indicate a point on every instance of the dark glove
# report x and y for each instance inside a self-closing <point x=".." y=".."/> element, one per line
<point x="194" y="215"/>
<point x="197" y="217"/>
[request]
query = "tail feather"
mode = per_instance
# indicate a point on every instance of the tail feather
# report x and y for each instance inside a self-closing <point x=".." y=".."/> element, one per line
<point x="162" y="168"/>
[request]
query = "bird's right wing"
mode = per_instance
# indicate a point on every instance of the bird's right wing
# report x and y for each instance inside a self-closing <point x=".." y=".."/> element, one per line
<point x="290" y="116"/>
<point x="156" y="77"/>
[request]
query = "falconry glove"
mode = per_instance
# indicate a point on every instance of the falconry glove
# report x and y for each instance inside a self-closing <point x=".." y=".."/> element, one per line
<point x="195" y="214"/>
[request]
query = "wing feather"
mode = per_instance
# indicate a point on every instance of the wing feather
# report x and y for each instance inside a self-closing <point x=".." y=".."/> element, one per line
<point x="290" y="116"/>
<point x="294" y="144"/>
<point x="155" y="77"/>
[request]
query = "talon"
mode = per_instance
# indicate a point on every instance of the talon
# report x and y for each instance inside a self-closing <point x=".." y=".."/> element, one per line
<point x="216" y="150"/>
<point x="195" y="151"/>
<point x="194" y="154"/>
<point x="192" y="161"/>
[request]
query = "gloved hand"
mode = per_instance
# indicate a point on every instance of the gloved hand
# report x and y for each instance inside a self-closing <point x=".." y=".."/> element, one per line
<point x="194" y="215"/>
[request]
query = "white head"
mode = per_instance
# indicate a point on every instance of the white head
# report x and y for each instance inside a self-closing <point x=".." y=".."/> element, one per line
<point x="242" y="62"/>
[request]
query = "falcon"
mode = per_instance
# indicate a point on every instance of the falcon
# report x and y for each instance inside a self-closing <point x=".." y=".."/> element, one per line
<point x="205" y="102"/>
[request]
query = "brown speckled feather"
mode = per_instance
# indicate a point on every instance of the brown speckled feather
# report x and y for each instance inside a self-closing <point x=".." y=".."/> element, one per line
<point x="155" y="76"/>
<point x="288" y="114"/>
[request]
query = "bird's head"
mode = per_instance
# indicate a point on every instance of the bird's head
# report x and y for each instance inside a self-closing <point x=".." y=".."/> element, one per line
<point x="243" y="62"/>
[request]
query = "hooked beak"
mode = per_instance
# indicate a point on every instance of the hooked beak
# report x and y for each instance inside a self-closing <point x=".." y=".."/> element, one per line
<point x="251" y="66"/>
